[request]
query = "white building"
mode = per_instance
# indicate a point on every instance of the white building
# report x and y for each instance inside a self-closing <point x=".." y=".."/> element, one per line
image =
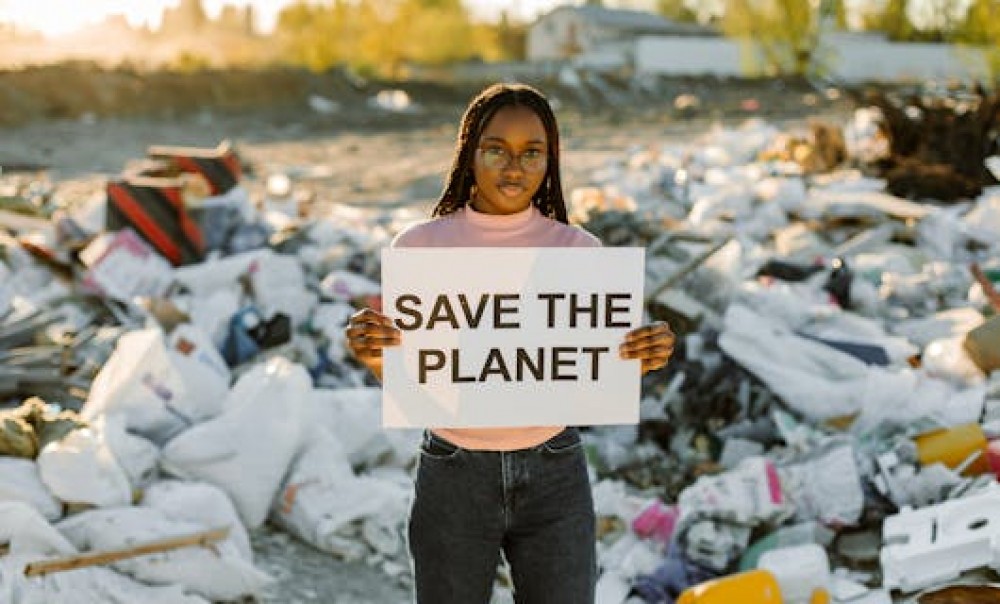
<point x="599" y="37"/>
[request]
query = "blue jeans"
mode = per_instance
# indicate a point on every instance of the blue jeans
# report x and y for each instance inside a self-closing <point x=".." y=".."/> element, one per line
<point x="533" y="504"/>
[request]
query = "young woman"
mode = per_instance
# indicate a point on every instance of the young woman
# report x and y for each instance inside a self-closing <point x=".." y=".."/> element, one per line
<point x="522" y="491"/>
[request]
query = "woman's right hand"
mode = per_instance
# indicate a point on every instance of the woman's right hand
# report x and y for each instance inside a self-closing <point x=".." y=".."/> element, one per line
<point x="368" y="332"/>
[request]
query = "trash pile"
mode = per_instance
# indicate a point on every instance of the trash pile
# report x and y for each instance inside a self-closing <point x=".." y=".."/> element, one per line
<point x="828" y="429"/>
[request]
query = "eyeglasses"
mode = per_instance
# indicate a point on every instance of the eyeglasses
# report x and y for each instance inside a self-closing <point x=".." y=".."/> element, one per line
<point x="498" y="158"/>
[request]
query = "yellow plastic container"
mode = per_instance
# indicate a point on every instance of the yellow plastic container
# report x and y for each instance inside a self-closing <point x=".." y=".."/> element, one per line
<point x="751" y="587"/>
<point x="953" y="446"/>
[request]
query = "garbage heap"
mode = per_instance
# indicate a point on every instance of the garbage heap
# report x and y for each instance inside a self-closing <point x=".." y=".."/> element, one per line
<point x="825" y="429"/>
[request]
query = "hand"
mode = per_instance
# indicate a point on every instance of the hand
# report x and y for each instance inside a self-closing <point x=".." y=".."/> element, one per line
<point x="368" y="332"/>
<point x="653" y="344"/>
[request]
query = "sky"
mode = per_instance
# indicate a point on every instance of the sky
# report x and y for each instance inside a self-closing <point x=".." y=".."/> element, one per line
<point x="54" y="17"/>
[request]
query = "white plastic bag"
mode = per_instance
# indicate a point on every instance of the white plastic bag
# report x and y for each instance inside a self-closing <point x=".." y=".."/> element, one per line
<point x="159" y="388"/>
<point x="202" y="503"/>
<point x="246" y="450"/>
<point x="325" y="504"/>
<point x="20" y="481"/>
<point x="279" y="285"/>
<point x="217" y="573"/>
<point x="24" y="529"/>
<point x="81" y="468"/>
<point x="92" y="585"/>
<point x="825" y="485"/>
<point x="137" y="456"/>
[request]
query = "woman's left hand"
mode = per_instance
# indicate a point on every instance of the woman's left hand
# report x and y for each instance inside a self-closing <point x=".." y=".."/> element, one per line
<point x="653" y="344"/>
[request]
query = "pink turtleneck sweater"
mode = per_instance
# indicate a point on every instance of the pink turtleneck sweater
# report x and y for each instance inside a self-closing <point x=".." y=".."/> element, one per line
<point x="469" y="228"/>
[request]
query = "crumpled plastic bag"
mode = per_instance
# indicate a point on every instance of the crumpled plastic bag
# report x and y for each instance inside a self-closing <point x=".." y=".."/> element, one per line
<point x="91" y="585"/>
<point x="825" y="485"/>
<point x="157" y="387"/>
<point x="324" y="503"/>
<point x="246" y="450"/>
<point x="20" y="481"/>
<point x="353" y="417"/>
<point x="748" y="495"/>
<point x="27" y="532"/>
<point x="82" y="469"/>
<point x="137" y="456"/>
<point x="217" y="573"/>
<point x="202" y="503"/>
<point x="812" y="378"/>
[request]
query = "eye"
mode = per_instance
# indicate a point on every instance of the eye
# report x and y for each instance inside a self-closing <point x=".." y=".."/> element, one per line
<point x="533" y="154"/>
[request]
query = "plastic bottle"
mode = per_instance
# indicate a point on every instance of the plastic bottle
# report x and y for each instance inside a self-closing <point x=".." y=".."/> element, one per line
<point x="954" y="446"/>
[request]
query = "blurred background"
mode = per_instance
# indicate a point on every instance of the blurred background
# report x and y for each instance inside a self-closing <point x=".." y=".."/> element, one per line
<point x="119" y="56"/>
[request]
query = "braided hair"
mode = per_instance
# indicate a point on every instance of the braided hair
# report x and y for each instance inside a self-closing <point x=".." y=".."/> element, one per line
<point x="458" y="186"/>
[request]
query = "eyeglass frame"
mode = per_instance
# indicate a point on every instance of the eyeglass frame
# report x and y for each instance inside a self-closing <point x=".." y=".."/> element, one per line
<point x="512" y="157"/>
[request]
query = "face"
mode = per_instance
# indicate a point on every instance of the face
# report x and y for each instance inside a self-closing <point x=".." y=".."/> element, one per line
<point x="510" y="161"/>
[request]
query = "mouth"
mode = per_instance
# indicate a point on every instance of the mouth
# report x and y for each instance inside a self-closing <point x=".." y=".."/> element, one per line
<point x="511" y="189"/>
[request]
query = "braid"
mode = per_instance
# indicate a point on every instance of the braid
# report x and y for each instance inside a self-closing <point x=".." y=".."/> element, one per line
<point x="458" y="185"/>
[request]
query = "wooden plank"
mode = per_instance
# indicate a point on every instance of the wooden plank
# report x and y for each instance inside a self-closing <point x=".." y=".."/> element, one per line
<point x="203" y="538"/>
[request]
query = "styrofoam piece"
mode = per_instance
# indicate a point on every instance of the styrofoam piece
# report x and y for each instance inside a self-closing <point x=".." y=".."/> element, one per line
<point x="936" y="544"/>
<point x="800" y="570"/>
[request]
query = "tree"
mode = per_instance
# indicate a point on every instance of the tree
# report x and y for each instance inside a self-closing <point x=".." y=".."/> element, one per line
<point x="677" y="10"/>
<point x="188" y="17"/>
<point x="785" y="32"/>
<point x="981" y="30"/>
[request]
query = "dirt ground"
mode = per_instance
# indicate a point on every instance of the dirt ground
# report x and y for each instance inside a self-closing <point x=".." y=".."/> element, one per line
<point x="351" y="157"/>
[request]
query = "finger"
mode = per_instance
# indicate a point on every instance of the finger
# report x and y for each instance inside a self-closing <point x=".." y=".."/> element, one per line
<point x="651" y="330"/>
<point x="371" y="330"/>
<point x="369" y="316"/>
<point x="638" y="346"/>
<point x="649" y="352"/>
<point x="653" y="364"/>
<point x="660" y="340"/>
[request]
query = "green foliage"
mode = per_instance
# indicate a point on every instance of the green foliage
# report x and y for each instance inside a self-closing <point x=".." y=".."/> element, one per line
<point x="677" y="10"/>
<point x="381" y="37"/>
<point x="785" y="33"/>
<point x="981" y="31"/>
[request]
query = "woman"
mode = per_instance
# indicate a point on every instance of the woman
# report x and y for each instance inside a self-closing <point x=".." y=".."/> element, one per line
<point x="523" y="491"/>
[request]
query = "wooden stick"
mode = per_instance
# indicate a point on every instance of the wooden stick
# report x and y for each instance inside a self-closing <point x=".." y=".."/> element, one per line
<point x="204" y="538"/>
<point x="991" y="293"/>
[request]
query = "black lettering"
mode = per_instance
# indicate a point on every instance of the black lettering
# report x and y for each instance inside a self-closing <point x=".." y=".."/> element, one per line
<point x="575" y="310"/>
<point x="411" y="312"/>
<point x="455" y="378"/>
<point x="537" y="369"/>
<point x="494" y="364"/>
<point x="499" y="310"/>
<point x="551" y="307"/>
<point x="473" y="320"/>
<point x="424" y="366"/>
<point x="594" y="354"/>
<point x="558" y="362"/>
<point x="610" y="309"/>
<point x="442" y="311"/>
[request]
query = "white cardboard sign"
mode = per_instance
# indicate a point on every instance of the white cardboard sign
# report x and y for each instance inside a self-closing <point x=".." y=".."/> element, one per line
<point x="511" y="336"/>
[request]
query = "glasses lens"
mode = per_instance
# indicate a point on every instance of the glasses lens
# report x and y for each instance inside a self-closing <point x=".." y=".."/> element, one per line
<point x="533" y="161"/>
<point x="495" y="158"/>
<point x="498" y="158"/>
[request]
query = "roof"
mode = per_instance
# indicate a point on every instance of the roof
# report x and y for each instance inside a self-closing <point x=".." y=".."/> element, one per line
<point x="634" y="20"/>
